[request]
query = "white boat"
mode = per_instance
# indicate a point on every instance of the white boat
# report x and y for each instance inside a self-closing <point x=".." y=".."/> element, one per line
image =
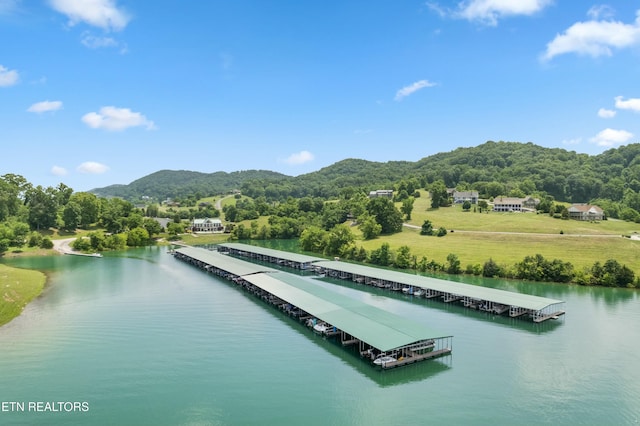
<point x="321" y="328"/>
<point x="407" y="290"/>
<point x="418" y="293"/>
<point x="384" y="360"/>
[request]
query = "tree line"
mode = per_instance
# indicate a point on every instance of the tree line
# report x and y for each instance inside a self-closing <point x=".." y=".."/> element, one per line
<point x="28" y="212"/>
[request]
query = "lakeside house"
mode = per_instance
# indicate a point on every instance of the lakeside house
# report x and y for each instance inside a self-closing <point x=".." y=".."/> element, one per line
<point x="515" y="204"/>
<point x="207" y="225"/>
<point x="585" y="212"/>
<point x="460" y="197"/>
<point x="381" y="193"/>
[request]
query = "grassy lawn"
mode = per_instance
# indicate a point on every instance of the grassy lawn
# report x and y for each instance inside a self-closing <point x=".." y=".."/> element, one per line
<point x="508" y="249"/>
<point x="200" y="239"/>
<point x="508" y="237"/>
<point x="455" y="218"/>
<point x="18" y="287"/>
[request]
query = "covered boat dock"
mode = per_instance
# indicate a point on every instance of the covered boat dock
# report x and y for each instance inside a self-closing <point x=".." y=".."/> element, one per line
<point x="471" y="296"/>
<point x="378" y="334"/>
<point x="283" y="258"/>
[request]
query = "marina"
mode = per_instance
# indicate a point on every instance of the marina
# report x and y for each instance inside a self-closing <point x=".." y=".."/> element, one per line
<point x="378" y="334"/>
<point x="139" y="328"/>
<point x="515" y="305"/>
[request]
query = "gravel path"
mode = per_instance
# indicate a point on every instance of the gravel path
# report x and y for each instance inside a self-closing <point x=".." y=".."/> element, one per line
<point x="63" y="246"/>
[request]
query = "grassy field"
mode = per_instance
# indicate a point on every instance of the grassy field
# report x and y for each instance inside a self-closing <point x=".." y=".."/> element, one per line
<point x="19" y="287"/>
<point x="455" y="218"/>
<point x="508" y="237"/>
<point x="508" y="249"/>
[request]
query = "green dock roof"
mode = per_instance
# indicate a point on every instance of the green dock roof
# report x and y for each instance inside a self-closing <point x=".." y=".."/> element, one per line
<point x="235" y="266"/>
<point x="379" y="328"/>
<point x="504" y="297"/>
<point x="294" y="257"/>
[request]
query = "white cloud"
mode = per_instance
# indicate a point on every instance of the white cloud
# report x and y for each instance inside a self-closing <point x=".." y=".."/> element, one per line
<point x="299" y="158"/>
<point x="412" y="88"/>
<point x="611" y="137"/>
<point x="91" y="167"/>
<point x="594" y="38"/>
<point x="575" y="141"/>
<point x="45" y="106"/>
<point x="58" y="171"/>
<point x="93" y="42"/>
<point x="104" y="14"/>
<point x="116" y="119"/>
<point x="631" y="103"/>
<point x="489" y="12"/>
<point x="600" y="11"/>
<point x="8" y="77"/>
<point x="606" y="113"/>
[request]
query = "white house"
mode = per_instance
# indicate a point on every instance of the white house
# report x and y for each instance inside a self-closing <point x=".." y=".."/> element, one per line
<point x="585" y="212"/>
<point x="507" y="204"/>
<point x="207" y="225"/>
<point x="381" y="193"/>
<point x="462" y="196"/>
<point x="514" y="204"/>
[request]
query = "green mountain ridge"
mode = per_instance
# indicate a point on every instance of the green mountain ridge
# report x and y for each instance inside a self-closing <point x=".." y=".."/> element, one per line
<point x="501" y="167"/>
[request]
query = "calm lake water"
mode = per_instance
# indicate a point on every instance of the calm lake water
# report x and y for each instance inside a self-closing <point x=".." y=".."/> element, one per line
<point x="143" y="338"/>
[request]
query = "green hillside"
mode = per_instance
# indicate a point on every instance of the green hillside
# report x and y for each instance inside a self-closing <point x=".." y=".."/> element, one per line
<point x="493" y="168"/>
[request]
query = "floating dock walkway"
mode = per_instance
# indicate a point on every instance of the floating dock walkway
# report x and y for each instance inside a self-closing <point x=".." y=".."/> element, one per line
<point x="385" y="339"/>
<point x="486" y="299"/>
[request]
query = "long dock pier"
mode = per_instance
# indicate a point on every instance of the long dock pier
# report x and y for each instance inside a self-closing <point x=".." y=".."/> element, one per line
<point x="495" y="301"/>
<point x="383" y="338"/>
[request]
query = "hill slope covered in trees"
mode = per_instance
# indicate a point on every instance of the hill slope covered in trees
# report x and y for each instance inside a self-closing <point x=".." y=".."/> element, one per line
<point x="181" y="183"/>
<point x="493" y="168"/>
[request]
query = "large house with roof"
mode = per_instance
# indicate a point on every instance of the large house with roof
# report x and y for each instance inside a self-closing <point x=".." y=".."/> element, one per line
<point x="585" y="212"/>
<point x="207" y="225"/>
<point x="462" y="196"/>
<point x="514" y="204"/>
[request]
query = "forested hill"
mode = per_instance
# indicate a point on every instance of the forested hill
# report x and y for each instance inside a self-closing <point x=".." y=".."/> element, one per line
<point x="493" y="168"/>
<point x="182" y="183"/>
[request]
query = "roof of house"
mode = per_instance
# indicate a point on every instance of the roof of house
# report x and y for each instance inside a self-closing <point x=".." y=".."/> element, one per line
<point x="507" y="200"/>
<point x="206" y="220"/>
<point x="465" y="194"/>
<point x="585" y="208"/>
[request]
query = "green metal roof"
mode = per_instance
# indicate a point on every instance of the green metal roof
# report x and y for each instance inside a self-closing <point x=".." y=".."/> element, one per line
<point x="476" y="292"/>
<point x="379" y="328"/>
<point x="231" y="264"/>
<point x="294" y="257"/>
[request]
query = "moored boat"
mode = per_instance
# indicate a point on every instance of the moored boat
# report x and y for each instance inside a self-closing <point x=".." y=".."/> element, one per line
<point x="383" y="360"/>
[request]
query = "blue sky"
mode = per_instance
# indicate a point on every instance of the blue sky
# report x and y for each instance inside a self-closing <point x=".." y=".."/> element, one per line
<point x="100" y="92"/>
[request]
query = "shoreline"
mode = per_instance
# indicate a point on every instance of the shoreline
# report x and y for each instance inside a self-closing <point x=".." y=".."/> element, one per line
<point x="20" y="287"/>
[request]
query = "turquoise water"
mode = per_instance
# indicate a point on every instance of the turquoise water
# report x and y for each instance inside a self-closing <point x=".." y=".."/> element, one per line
<point x="142" y="338"/>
